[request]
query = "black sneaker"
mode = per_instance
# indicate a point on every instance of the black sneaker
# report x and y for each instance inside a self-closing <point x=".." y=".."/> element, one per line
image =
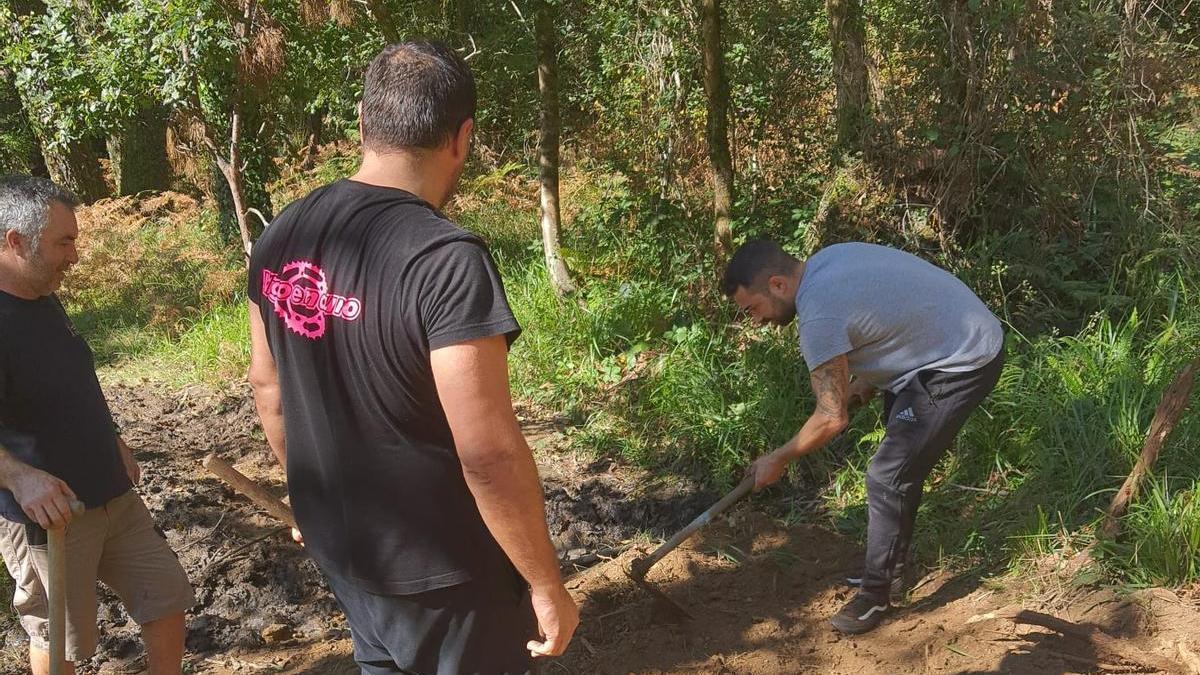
<point x="861" y="614"/>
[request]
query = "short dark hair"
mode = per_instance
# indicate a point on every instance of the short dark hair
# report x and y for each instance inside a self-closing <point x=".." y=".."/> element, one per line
<point x="753" y="262"/>
<point x="416" y="95"/>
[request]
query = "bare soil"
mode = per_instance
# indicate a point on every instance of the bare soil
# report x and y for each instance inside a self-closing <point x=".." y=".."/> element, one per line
<point x="759" y="591"/>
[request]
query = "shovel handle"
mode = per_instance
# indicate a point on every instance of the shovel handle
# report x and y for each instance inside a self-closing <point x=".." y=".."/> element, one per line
<point x="249" y="489"/>
<point x="56" y="590"/>
<point x="641" y="566"/>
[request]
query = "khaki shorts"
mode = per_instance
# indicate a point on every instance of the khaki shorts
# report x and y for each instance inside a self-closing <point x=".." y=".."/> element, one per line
<point x="117" y="544"/>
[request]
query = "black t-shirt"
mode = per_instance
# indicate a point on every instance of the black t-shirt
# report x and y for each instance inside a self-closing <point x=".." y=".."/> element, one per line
<point x="356" y="284"/>
<point x="49" y="391"/>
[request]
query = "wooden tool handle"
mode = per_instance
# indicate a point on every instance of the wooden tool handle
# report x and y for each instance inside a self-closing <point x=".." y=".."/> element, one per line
<point x="249" y="489"/>
<point x="643" y="565"/>
<point x="56" y="590"/>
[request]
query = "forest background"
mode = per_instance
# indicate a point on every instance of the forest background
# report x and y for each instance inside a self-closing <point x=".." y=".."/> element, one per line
<point x="1045" y="151"/>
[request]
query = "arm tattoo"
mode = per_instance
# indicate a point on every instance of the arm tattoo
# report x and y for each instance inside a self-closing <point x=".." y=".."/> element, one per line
<point x="830" y="384"/>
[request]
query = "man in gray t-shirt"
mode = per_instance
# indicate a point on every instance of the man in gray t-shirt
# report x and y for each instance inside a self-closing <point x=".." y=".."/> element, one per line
<point x="875" y="318"/>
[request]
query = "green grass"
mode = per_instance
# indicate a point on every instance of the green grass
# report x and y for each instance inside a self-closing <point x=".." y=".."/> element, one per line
<point x="213" y="349"/>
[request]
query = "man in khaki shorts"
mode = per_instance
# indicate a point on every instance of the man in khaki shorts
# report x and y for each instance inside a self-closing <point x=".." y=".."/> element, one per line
<point x="58" y="443"/>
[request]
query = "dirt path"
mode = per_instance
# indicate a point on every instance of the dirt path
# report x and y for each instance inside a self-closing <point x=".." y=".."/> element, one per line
<point x="759" y="592"/>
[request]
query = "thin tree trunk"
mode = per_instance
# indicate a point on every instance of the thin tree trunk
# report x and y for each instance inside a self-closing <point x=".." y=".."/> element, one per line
<point x="548" y="161"/>
<point x="231" y="169"/>
<point x="847" y="37"/>
<point x="1166" y="416"/>
<point x="383" y="19"/>
<point x="139" y="153"/>
<point x="231" y="164"/>
<point x="313" y="125"/>
<point x="717" y="126"/>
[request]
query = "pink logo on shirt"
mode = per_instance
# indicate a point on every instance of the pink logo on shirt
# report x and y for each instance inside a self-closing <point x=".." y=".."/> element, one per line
<point x="302" y="299"/>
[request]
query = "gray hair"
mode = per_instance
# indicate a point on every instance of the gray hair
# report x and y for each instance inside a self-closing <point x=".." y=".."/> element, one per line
<point x="25" y="206"/>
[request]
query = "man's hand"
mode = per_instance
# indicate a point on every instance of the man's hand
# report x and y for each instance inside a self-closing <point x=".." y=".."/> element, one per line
<point x="43" y="497"/>
<point x="860" y="393"/>
<point x="297" y="537"/>
<point x="767" y="470"/>
<point x="131" y="466"/>
<point x="557" y="617"/>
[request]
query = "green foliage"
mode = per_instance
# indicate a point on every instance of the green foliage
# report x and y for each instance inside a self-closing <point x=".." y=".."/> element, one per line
<point x="18" y="145"/>
<point x="1047" y="154"/>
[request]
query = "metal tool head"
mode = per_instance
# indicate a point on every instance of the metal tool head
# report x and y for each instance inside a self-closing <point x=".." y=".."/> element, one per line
<point x="638" y="568"/>
<point x="672" y="611"/>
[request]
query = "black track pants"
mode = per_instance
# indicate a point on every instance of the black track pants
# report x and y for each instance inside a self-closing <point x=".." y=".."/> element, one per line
<point x="921" y="421"/>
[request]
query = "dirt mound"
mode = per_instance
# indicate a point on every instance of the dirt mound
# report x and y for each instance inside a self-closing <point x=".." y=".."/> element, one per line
<point x="760" y="595"/>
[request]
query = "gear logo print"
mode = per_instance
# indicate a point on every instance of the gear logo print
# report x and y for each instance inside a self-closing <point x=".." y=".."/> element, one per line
<point x="301" y="297"/>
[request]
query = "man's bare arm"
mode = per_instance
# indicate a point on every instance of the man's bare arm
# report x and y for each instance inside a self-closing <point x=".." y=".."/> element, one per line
<point x="472" y="383"/>
<point x="831" y="386"/>
<point x="264" y="379"/>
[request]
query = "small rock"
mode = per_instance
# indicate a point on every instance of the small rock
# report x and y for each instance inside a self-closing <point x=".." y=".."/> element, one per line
<point x="276" y="633"/>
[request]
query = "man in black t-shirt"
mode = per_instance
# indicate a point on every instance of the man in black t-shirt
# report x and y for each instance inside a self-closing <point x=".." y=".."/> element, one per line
<point x="58" y="443"/>
<point x="379" y="341"/>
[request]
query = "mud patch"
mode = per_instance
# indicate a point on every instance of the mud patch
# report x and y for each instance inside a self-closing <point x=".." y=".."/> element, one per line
<point x="596" y="507"/>
<point x="261" y="602"/>
<point x="247" y="573"/>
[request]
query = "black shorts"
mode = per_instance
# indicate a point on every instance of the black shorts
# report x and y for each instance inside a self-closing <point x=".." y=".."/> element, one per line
<point x="478" y="627"/>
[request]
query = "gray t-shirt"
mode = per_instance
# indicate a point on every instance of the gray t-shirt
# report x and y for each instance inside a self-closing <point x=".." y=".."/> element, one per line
<point x="892" y="315"/>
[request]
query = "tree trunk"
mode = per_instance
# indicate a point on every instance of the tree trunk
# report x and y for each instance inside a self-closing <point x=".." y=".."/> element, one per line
<point x="547" y="67"/>
<point x="314" y="122"/>
<point x="383" y="19"/>
<point x="957" y="79"/>
<point x="230" y="164"/>
<point x="717" y="126"/>
<point x="463" y="16"/>
<point x="74" y="166"/>
<point x="231" y="169"/>
<point x="139" y="153"/>
<point x="24" y="154"/>
<point x="847" y="38"/>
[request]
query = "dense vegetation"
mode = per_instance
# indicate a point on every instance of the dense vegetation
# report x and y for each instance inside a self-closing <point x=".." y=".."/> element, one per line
<point x="1046" y="152"/>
